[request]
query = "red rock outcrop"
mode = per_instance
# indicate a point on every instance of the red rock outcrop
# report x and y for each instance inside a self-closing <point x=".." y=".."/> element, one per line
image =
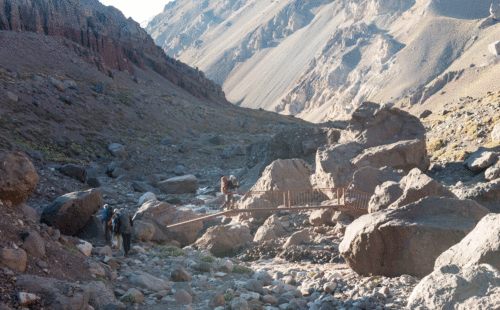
<point x="104" y="37"/>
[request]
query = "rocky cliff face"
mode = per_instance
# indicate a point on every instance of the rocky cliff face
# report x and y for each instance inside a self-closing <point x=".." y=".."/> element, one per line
<point x="104" y="37"/>
<point x="319" y="60"/>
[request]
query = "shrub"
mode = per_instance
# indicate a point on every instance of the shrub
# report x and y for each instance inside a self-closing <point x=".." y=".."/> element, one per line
<point x="129" y="299"/>
<point x="242" y="270"/>
<point x="208" y="259"/>
<point x="229" y="296"/>
<point x="171" y="251"/>
<point x="435" y="144"/>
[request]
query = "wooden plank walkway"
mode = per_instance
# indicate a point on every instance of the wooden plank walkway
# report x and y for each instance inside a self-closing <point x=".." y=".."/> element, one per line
<point x="346" y="207"/>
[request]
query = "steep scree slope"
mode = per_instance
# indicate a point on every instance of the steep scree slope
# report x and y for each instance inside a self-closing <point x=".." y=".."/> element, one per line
<point x="321" y="59"/>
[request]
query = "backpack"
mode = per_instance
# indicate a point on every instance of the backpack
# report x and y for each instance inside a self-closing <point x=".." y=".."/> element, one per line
<point x="124" y="219"/>
<point x="229" y="184"/>
<point x="106" y="215"/>
<point x="116" y="225"/>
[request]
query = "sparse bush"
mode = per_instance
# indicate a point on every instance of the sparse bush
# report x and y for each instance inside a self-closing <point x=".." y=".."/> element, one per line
<point x="170" y="251"/>
<point x="129" y="299"/>
<point x="435" y="144"/>
<point x="203" y="267"/>
<point x="229" y="296"/>
<point x="208" y="259"/>
<point x="69" y="250"/>
<point x="242" y="270"/>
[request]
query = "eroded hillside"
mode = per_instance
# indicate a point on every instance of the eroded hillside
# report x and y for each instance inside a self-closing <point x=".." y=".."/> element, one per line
<point x="320" y="60"/>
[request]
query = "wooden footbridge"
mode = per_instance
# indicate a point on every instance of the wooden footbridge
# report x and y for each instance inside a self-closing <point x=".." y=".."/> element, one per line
<point x="341" y="199"/>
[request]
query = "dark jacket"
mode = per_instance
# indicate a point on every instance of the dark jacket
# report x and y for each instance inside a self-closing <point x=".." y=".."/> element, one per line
<point x="123" y="224"/>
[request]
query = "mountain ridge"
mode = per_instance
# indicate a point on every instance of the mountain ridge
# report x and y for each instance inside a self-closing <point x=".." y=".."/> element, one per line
<point x="113" y="41"/>
<point x="279" y="55"/>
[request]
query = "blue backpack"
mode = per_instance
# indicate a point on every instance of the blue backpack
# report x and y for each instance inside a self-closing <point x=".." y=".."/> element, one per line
<point x="106" y="215"/>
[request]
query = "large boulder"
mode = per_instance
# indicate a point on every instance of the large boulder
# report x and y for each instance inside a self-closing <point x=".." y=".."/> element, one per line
<point x="480" y="246"/>
<point x="143" y="231"/>
<point x="407" y="240"/>
<point x="280" y="175"/>
<point x="418" y="185"/>
<point x="385" y="195"/>
<point x="73" y="171"/>
<point x="161" y="214"/>
<point x="18" y="177"/>
<point x="376" y="137"/>
<point x="179" y="185"/>
<point x="452" y="287"/>
<point x="218" y="240"/>
<point x="285" y="174"/>
<point x="486" y="194"/>
<point x="411" y="188"/>
<point x="480" y="160"/>
<point x="367" y="179"/>
<point x="71" y="212"/>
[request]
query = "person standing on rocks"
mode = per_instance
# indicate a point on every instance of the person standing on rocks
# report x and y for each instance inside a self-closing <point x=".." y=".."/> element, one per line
<point x="117" y="237"/>
<point x="124" y="225"/>
<point x="226" y="188"/>
<point x="107" y="216"/>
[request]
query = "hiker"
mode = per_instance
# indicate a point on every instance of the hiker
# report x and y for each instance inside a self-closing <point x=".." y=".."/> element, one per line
<point x="107" y="216"/>
<point x="225" y="188"/>
<point x="232" y="184"/>
<point x="117" y="237"/>
<point x="124" y="225"/>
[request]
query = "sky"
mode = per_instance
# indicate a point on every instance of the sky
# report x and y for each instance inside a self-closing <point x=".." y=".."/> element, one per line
<point x="139" y="10"/>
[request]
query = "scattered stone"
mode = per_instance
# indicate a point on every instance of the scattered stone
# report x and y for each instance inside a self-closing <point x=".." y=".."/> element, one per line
<point x="12" y="97"/>
<point x="297" y="238"/>
<point x="14" y="259"/>
<point x="34" y="245"/>
<point x="84" y="247"/>
<point x="424" y="114"/>
<point x="180" y="275"/>
<point x="118" y="151"/>
<point x="218" y="301"/>
<point x="183" y="297"/>
<point x="25" y="299"/>
<point x="101" y="88"/>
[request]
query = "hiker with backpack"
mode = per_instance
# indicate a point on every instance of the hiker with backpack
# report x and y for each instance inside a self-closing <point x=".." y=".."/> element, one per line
<point x="226" y="188"/>
<point x="107" y="216"/>
<point x="124" y="225"/>
<point x="117" y="237"/>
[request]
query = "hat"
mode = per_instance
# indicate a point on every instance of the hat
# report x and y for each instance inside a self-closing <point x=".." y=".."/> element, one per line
<point x="116" y="211"/>
<point x="105" y="206"/>
<point x="232" y="177"/>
